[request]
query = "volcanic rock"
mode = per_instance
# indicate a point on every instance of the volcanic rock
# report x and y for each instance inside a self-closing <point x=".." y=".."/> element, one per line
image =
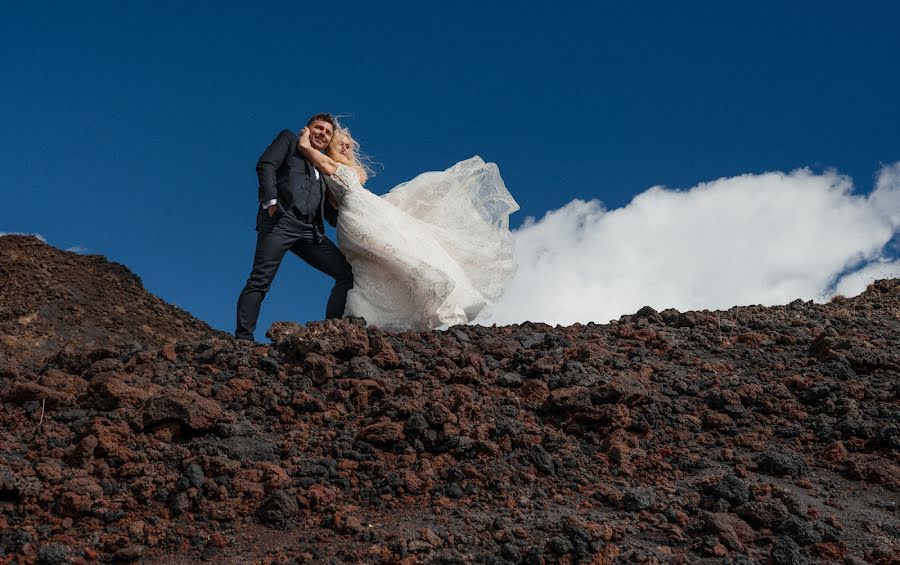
<point x="185" y="407"/>
<point x="638" y="499"/>
<point x="781" y="462"/>
<point x="129" y="430"/>
<point x="54" y="300"/>
<point x="763" y="514"/>
<point x="278" y="509"/>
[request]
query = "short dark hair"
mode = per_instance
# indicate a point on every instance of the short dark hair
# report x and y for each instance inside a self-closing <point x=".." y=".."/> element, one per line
<point x="324" y="118"/>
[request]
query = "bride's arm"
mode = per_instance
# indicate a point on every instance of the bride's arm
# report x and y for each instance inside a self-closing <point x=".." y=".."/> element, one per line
<point x="319" y="160"/>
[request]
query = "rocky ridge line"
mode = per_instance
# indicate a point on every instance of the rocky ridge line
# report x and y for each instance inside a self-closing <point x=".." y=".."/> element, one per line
<point x="756" y="434"/>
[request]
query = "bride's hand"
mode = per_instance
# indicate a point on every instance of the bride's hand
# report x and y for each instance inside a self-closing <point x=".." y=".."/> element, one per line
<point x="304" y="139"/>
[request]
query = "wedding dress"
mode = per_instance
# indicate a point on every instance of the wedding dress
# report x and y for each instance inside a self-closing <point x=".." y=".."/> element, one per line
<point x="435" y="251"/>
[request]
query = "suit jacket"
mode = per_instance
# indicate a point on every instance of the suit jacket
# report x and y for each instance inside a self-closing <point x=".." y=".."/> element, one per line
<point x="285" y="175"/>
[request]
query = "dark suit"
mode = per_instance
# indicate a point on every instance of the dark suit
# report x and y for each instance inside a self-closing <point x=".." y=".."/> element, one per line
<point x="298" y="225"/>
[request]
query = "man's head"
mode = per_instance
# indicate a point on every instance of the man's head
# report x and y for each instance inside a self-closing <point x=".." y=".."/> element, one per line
<point x="321" y="130"/>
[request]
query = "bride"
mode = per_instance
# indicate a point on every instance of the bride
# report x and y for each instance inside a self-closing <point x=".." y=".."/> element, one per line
<point x="435" y="251"/>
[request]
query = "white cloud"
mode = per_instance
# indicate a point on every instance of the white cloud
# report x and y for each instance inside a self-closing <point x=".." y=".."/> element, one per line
<point x="752" y="239"/>
<point x="886" y="197"/>
<point x="74" y="249"/>
<point x="37" y="235"/>
<point x="856" y="282"/>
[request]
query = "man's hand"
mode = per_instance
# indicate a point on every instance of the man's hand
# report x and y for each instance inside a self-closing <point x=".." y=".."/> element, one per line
<point x="272" y="209"/>
<point x="304" y="139"/>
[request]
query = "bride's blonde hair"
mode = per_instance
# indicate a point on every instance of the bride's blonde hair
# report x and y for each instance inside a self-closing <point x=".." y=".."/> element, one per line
<point x="357" y="159"/>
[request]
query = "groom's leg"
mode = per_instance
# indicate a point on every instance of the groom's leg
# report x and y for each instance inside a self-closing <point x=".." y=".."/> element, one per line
<point x="326" y="257"/>
<point x="272" y="242"/>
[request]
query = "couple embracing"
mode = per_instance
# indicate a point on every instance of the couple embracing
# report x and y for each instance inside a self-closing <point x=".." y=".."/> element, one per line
<point x="435" y="251"/>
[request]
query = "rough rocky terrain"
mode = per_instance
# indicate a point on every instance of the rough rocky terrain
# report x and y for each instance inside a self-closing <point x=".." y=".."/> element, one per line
<point x="750" y="435"/>
<point x="52" y="299"/>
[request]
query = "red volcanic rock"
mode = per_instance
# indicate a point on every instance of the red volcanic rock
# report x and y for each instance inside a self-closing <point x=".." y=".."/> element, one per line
<point x="764" y="513"/>
<point x="570" y="399"/>
<point x="22" y="391"/>
<point x="730" y="529"/>
<point x="79" y="496"/>
<point x="109" y="392"/>
<point x="534" y="391"/>
<point x="64" y="383"/>
<point x="186" y="407"/>
<point x="113" y="437"/>
<point x="749" y="435"/>
<point x="382" y="433"/>
<point x="626" y="389"/>
<point x="383" y="354"/>
<point x="319" y="496"/>
<point x="329" y="337"/>
<point x="53" y="299"/>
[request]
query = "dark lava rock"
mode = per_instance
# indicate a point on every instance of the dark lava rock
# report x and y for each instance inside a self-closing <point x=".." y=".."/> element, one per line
<point x="638" y="499"/>
<point x="763" y="514"/>
<point x="560" y="545"/>
<point x="775" y="461"/>
<point x="194" y="475"/>
<point x="55" y="554"/>
<point x="415" y="425"/>
<point x="541" y="459"/>
<point x="180" y="503"/>
<point x="454" y="490"/>
<point x="649" y="313"/>
<point x="461" y="336"/>
<point x="9" y="486"/>
<point x="678" y="319"/>
<point x="258" y="448"/>
<point x="800" y="531"/>
<point x="732" y="489"/>
<point x="785" y="551"/>
<point x="794" y="503"/>
<point x="278" y="509"/>
<point x="739" y="560"/>
<point x="131" y="552"/>
<point x="510" y="552"/>
<point x="13" y="539"/>
<point x="363" y="368"/>
<point x="511" y="380"/>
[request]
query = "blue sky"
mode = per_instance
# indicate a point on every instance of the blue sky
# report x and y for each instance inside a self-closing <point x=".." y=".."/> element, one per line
<point x="132" y="129"/>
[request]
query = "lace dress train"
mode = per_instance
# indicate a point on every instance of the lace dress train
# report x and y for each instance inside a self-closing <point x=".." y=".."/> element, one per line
<point x="435" y="251"/>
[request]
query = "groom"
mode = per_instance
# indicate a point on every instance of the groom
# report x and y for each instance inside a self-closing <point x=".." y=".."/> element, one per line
<point x="292" y="209"/>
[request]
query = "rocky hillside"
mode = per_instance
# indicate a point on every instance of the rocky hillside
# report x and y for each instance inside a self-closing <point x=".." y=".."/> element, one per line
<point x="751" y="435"/>
<point x="51" y="300"/>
